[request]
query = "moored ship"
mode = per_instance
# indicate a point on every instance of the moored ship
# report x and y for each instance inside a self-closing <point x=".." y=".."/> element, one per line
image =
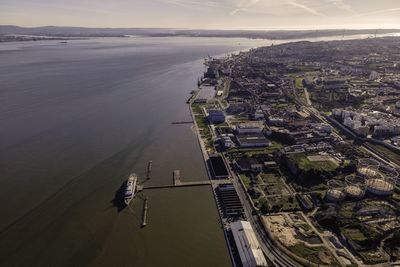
<point x="130" y="188"/>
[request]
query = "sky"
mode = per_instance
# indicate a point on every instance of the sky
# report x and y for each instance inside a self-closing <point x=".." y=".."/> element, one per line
<point x="204" y="14"/>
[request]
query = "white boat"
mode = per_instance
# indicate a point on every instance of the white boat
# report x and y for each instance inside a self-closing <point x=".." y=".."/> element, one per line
<point x="130" y="188"/>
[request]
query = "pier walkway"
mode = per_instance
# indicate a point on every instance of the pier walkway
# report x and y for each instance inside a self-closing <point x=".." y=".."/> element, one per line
<point x="182" y="122"/>
<point x="213" y="183"/>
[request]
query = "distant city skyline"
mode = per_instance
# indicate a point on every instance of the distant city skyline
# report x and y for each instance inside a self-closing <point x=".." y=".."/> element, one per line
<point x="204" y="14"/>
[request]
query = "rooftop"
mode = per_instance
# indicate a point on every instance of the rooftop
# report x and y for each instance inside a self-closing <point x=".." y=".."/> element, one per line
<point x="247" y="244"/>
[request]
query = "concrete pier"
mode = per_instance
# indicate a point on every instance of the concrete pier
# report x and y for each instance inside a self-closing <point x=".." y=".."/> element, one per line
<point x="182" y="122"/>
<point x="149" y="168"/>
<point x="144" y="217"/>
<point x="213" y="183"/>
<point x="177" y="177"/>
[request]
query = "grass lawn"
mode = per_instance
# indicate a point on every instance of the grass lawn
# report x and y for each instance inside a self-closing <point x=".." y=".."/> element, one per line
<point x="305" y="164"/>
<point x="298" y="83"/>
<point x="246" y="180"/>
<point x="204" y="130"/>
<point x="197" y="109"/>
<point x="312" y="254"/>
<point x="354" y="234"/>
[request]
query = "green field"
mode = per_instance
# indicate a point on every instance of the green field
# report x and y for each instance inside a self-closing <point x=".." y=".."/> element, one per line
<point x="313" y="254"/>
<point x="298" y="83"/>
<point x="202" y="124"/>
<point x="246" y="180"/>
<point x="354" y="234"/>
<point x="304" y="164"/>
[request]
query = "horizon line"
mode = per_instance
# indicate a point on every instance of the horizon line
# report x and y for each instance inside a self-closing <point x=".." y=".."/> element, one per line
<point x="281" y="28"/>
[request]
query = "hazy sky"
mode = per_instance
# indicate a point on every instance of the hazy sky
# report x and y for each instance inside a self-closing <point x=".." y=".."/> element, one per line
<point x="218" y="14"/>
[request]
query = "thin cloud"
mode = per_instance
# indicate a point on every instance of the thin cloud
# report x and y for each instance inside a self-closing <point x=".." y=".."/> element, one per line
<point x="233" y="12"/>
<point x="243" y="6"/>
<point x="192" y="4"/>
<point x="379" y="12"/>
<point x="341" y="5"/>
<point x="307" y="9"/>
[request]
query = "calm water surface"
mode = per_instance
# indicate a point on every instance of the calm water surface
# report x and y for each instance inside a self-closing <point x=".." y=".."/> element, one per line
<point x="75" y="119"/>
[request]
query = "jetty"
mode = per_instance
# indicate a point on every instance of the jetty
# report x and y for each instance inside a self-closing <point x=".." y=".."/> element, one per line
<point x="144" y="217"/>
<point x="182" y="184"/>
<point x="177" y="182"/>
<point x="182" y="122"/>
<point x="149" y="168"/>
<point x="177" y="177"/>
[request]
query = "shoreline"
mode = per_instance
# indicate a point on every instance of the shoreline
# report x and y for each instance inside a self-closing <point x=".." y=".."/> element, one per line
<point x="205" y="159"/>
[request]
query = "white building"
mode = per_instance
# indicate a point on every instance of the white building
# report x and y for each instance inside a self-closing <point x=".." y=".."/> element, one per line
<point x="275" y="121"/>
<point x="348" y="122"/>
<point x="247" y="244"/>
<point x="337" y="112"/>
<point x="362" y="130"/>
<point x="253" y="140"/>
<point x="248" y="128"/>
<point x="227" y="141"/>
<point x="258" y="114"/>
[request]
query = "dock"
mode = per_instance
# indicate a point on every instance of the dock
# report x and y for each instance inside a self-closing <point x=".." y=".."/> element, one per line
<point x="182" y="122"/>
<point x="144" y="217"/>
<point x="149" y="168"/>
<point x="213" y="183"/>
<point x="177" y="177"/>
<point x="182" y="184"/>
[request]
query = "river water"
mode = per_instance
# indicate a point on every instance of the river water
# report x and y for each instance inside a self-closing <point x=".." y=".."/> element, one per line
<point x="75" y="119"/>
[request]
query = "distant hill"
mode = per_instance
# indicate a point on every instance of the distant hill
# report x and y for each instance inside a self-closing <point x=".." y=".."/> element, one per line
<point x="79" y="31"/>
<point x="118" y="32"/>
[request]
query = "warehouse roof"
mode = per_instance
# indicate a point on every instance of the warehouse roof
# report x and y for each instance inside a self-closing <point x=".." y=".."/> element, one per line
<point x="247" y="244"/>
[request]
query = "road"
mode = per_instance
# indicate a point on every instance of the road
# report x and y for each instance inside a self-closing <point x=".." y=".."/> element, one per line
<point x="307" y="96"/>
<point x="314" y="112"/>
<point x="275" y="255"/>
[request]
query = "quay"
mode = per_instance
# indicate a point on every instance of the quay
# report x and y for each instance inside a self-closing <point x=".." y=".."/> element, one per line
<point x="185" y="184"/>
<point x="149" y="168"/>
<point x="182" y="122"/>
<point x="177" y="177"/>
<point x="145" y="207"/>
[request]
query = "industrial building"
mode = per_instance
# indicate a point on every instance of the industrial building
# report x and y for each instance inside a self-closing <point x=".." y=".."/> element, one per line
<point x="226" y="140"/>
<point x="252" y="140"/>
<point x="248" y="128"/>
<point x="247" y="244"/>
<point x="216" y="116"/>
<point x="248" y="164"/>
<point x="230" y="201"/>
<point x="218" y="167"/>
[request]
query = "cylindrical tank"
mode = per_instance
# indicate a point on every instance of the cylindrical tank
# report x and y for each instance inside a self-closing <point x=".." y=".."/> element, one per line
<point x="335" y="195"/>
<point x="355" y="186"/>
<point x="380" y="186"/>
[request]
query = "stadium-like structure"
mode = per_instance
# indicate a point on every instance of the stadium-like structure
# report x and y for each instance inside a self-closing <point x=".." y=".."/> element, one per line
<point x="355" y="187"/>
<point x="336" y="191"/>
<point x="379" y="179"/>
